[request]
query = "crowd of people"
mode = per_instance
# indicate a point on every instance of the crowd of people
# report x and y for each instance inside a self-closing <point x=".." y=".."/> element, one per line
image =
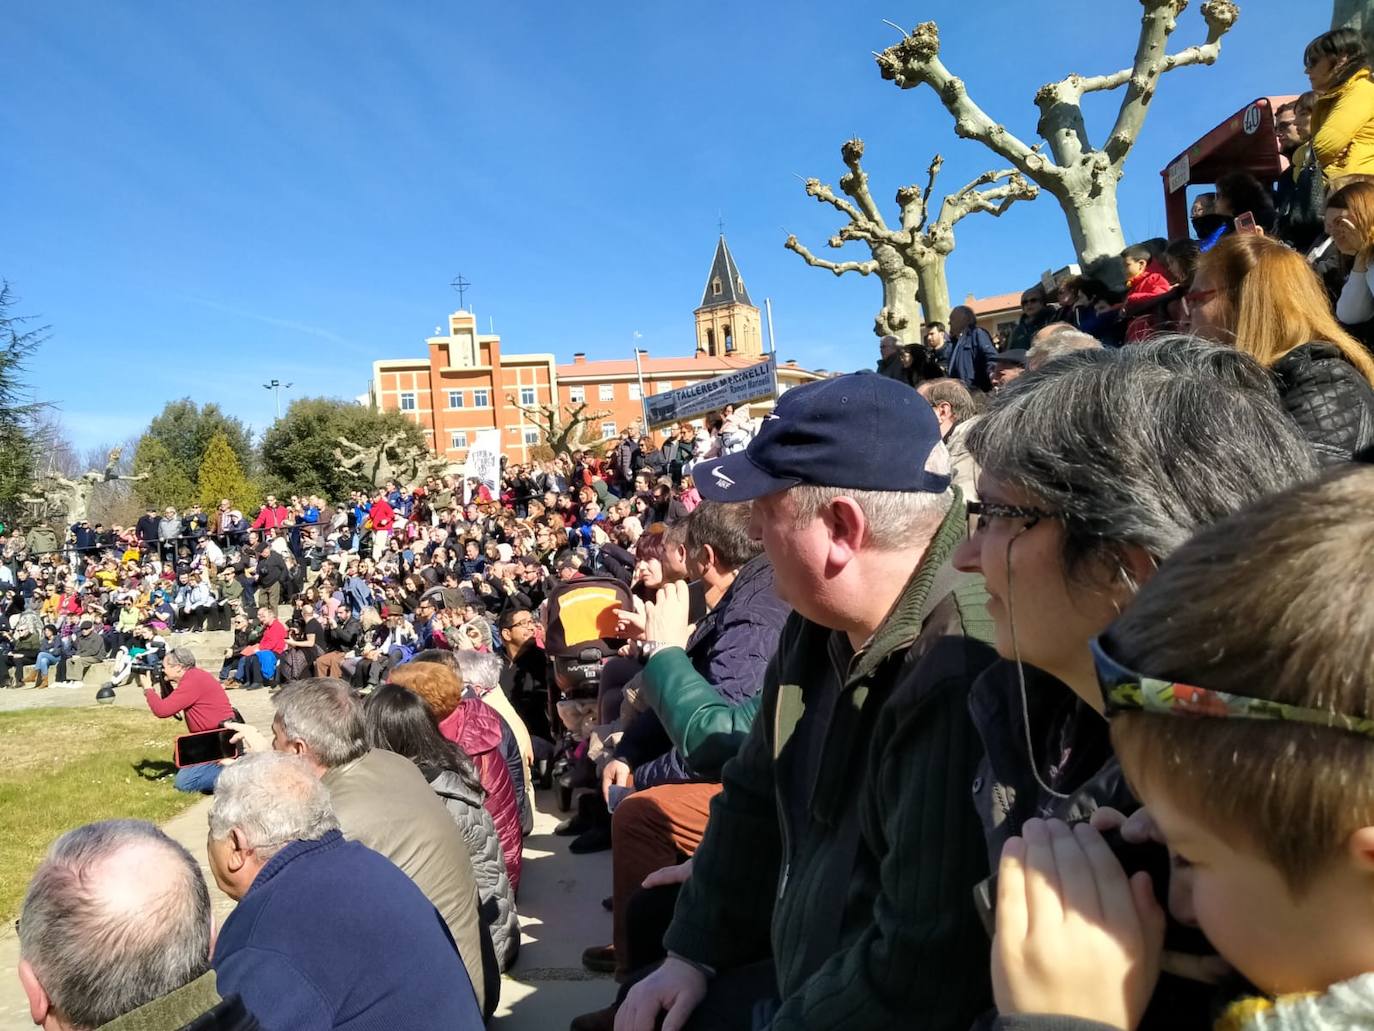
<point x="1008" y="687"/>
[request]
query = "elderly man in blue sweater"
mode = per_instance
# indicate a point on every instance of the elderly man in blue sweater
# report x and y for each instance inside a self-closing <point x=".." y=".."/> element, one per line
<point x="328" y="934"/>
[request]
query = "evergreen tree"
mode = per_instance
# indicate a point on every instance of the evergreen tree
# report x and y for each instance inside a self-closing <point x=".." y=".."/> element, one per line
<point x="221" y="476"/>
<point x="298" y="449"/>
<point x="185" y="429"/>
<point x="166" y="484"/>
<point x="19" y="412"/>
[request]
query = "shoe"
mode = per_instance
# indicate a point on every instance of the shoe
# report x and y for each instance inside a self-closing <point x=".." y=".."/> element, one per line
<point x="599" y="959"/>
<point x="40" y="681"/>
<point x="601" y="1020"/>
<point x="598" y="839"/>
<point x="106" y="694"/>
<point x="584" y="820"/>
<point x="72" y="684"/>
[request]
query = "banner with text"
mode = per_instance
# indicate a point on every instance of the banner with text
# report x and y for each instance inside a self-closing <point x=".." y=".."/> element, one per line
<point x="483" y="463"/>
<point x="734" y="388"/>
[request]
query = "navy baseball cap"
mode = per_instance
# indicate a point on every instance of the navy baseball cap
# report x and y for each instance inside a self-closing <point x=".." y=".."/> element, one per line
<point x="861" y="431"/>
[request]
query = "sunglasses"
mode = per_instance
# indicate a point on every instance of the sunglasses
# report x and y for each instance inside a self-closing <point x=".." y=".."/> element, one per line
<point x="1124" y="690"/>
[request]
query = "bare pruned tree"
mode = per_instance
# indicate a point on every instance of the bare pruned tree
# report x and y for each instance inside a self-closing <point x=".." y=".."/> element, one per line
<point x="910" y="259"/>
<point x="562" y="428"/>
<point x="1081" y="177"/>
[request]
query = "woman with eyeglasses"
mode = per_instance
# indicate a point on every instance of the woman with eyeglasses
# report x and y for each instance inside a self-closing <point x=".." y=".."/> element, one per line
<point x="1343" y="118"/>
<point x="1262" y="298"/>
<point x="1094" y="469"/>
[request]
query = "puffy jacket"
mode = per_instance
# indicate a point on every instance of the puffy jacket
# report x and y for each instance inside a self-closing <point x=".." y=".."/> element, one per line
<point x="494" y="891"/>
<point x="1330" y="401"/>
<point x="1343" y="128"/>
<point x="476" y="728"/>
<point x="729" y="650"/>
<point x="1141" y="293"/>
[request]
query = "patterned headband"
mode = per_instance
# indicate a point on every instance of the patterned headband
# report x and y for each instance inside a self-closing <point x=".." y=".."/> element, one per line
<point x="1124" y="690"/>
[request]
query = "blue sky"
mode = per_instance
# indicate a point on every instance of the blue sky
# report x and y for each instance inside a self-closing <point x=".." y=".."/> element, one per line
<point x="199" y="197"/>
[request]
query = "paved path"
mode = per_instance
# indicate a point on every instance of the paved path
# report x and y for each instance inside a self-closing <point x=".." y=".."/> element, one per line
<point x="560" y="894"/>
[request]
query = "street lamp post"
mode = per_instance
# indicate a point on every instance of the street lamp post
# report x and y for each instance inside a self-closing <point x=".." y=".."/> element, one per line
<point x="277" y="386"/>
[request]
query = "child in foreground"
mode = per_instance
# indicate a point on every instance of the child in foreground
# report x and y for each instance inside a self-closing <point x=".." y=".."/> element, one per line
<point x="1240" y="687"/>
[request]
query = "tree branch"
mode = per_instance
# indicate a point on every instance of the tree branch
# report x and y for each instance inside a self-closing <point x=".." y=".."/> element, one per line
<point x="995" y="202"/>
<point x="916" y="60"/>
<point x="864" y="268"/>
<point x="826" y="194"/>
<point x="1151" y="62"/>
<point x="855" y="183"/>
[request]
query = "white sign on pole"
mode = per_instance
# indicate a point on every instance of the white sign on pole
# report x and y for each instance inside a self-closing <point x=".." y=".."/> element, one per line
<point x="1179" y="173"/>
<point x="483" y="463"/>
<point x="734" y="388"/>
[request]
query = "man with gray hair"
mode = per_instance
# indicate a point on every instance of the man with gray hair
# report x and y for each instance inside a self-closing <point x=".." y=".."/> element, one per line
<point x="957" y="413"/>
<point x="970" y="353"/>
<point x="200" y="698"/>
<point x="890" y="358"/>
<point x="1057" y="340"/>
<point x="383" y="801"/>
<point x="821" y="890"/>
<point x="327" y="933"/>
<point x="115" y="933"/>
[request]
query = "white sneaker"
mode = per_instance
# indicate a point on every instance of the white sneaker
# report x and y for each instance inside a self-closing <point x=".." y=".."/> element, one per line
<point x="71" y="683"/>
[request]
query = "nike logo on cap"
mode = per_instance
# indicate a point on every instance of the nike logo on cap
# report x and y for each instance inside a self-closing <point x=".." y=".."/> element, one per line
<point x="722" y="480"/>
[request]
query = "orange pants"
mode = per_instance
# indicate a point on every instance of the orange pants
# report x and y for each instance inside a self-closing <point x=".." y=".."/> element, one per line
<point x="653" y="829"/>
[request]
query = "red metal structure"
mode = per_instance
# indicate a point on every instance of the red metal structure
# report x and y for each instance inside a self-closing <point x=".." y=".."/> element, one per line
<point x="1245" y="142"/>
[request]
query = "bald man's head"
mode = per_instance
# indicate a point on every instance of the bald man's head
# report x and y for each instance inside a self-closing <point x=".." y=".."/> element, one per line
<point x="117" y="915"/>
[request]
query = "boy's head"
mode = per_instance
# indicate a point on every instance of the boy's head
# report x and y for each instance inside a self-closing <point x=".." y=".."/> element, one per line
<point x="1272" y="817"/>
<point x="1135" y="259"/>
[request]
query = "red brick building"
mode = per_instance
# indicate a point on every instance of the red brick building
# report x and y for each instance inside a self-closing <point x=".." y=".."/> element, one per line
<point x="465" y="383"/>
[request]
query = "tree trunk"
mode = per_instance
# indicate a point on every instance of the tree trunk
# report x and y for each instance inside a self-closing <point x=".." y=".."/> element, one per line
<point x="901" y="314"/>
<point x="1095" y="228"/>
<point x="1357" y="14"/>
<point x="933" y="289"/>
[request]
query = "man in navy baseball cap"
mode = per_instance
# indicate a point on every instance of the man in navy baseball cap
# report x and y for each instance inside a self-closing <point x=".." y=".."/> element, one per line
<point x="862" y="431"/>
<point x="860" y="735"/>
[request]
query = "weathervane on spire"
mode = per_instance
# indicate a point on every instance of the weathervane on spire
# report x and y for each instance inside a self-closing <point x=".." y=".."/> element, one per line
<point x="720" y="221"/>
<point x="461" y="285"/>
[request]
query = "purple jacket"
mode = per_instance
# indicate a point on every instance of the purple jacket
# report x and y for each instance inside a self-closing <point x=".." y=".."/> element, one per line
<point x="730" y="648"/>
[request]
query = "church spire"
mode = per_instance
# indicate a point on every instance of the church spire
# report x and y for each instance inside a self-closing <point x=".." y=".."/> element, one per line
<point x="724" y="284"/>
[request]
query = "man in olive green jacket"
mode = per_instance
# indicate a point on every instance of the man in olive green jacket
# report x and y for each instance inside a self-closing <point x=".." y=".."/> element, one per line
<point x="833" y="887"/>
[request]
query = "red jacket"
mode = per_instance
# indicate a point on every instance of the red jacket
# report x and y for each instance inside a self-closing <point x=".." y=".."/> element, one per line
<point x="273" y="637"/>
<point x="199" y="695"/>
<point x="475" y="727"/>
<point x="1149" y="286"/>
<point x="382" y="514"/>
<point x="270" y="518"/>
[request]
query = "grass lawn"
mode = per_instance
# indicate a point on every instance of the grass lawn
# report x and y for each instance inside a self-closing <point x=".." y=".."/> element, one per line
<point x="60" y="768"/>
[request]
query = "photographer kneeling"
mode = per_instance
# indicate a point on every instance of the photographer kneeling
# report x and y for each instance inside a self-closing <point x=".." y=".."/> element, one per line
<point x="200" y="697"/>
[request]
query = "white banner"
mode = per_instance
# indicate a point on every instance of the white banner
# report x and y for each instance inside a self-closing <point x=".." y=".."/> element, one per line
<point x="734" y="388"/>
<point x="483" y="463"/>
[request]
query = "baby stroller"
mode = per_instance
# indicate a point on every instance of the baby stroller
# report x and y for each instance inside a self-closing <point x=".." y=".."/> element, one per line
<point x="580" y="638"/>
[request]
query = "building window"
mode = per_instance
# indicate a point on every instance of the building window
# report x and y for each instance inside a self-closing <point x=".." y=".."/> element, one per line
<point x="481" y="397"/>
<point x="531" y="437"/>
<point x="608" y="431"/>
<point x="635" y="395"/>
<point x="407" y="400"/>
<point x="527" y="395"/>
<point x="455" y="399"/>
<point x="577" y="395"/>
<point x="458" y="439"/>
<point x="606" y="392"/>
<point x="715" y="286"/>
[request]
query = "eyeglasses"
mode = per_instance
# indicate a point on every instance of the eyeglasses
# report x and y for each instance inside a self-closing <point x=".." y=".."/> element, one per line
<point x="986" y="511"/>
<point x="1124" y="690"/>
<point x="1194" y="297"/>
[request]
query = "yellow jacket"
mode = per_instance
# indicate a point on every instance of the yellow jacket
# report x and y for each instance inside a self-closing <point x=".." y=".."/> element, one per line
<point x="1343" y="128"/>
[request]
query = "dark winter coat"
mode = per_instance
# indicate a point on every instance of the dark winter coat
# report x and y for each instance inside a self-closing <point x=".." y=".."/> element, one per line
<point x="475" y="727"/>
<point x="494" y="892"/>
<point x="1073" y="759"/>
<point x="1330" y="401"/>
<point x="729" y="649"/>
<point x="272" y="570"/>
<point x="843" y="845"/>
<point x="969" y="358"/>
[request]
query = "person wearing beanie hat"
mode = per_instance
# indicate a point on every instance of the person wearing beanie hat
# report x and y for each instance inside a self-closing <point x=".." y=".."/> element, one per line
<point x="804" y="897"/>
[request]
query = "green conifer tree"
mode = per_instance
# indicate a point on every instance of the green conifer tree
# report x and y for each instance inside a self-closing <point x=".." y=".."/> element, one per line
<point x="221" y="476"/>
